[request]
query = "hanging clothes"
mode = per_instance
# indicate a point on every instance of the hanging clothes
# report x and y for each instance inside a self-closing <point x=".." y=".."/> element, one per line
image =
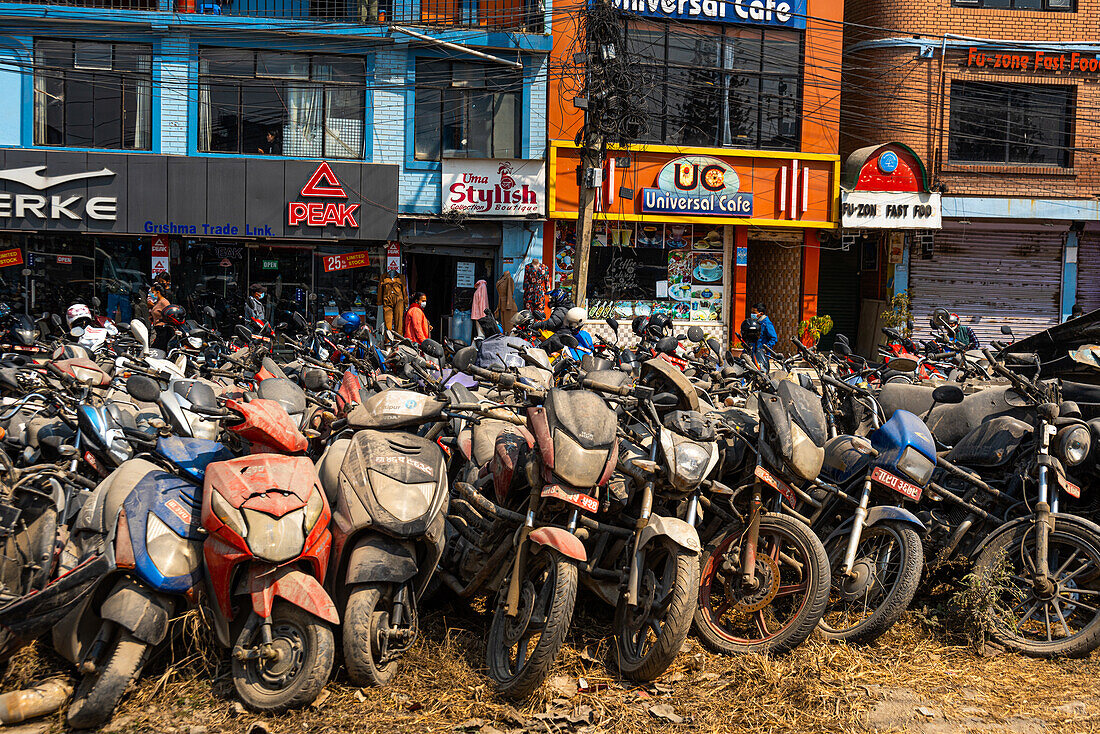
<point x="536" y="280"/>
<point x="480" y="305"/>
<point x="394" y="299"/>
<point x="506" y="300"/>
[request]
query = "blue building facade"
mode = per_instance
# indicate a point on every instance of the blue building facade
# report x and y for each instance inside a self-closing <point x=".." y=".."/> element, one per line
<point x="294" y="143"/>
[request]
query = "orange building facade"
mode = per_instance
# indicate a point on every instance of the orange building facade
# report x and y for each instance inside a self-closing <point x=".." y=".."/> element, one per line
<point x="722" y="200"/>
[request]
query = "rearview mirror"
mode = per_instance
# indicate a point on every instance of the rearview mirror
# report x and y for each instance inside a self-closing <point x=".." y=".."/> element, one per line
<point x="314" y="379"/>
<point x="464" y="359"/>
<point x="300" y="320"/>
<point x="209" y="311"/>
<point x="76" y="332"/>
<point x="667" y="345"/>
<point x="841" y="348"/>
<point x="1006" y="330"/>
<point x="432" y="348"/>
<point x="143" y="388"/>
<point x="568" y="340"/>
<point x="948" y="394"/>
<point x="141" y="333"/>
<point x="714" y="346"/>
<point x="695" y="334"/>
<point x="96" y="302"/>
<point x="613" y="325"/>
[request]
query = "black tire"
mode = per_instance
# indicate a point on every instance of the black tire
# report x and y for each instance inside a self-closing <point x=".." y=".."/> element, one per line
<point x="649" y="636"/>
<point x="363" y="645"/>
<point x="887" y="572"/>
<point x="1069" y="625"/>
<point x="98" y="693"/>
<point x="731" y="622"/>
<point x="295" y="679"/>
<point x="522" y="649"/>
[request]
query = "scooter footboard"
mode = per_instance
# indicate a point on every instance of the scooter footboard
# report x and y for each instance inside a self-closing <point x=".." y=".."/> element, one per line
<point x="292" y="585"/>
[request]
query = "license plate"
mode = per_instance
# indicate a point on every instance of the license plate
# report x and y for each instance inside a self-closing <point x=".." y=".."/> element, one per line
<point x="1071" y="489"/>
<point x="897" y="484"/>
<point x="577" y="499"/>
<point x="777" y="484"/>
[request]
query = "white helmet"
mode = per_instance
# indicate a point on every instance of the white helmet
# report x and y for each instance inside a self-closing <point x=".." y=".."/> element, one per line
<point x="574" y="317"/>
<point x="78" y="315"/>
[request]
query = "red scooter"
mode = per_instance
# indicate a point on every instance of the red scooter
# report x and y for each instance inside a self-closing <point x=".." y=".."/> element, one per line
<point x="266" y="556"/>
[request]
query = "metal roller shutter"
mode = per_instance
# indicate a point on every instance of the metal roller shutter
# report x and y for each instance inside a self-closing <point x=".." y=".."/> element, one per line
<point x="1088" y="271"/>
<point x="838" y="293"/>
<point x="991" y="275"/>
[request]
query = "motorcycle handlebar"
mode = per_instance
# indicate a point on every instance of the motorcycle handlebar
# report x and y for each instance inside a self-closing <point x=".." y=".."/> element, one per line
<point x="940" y="356"/>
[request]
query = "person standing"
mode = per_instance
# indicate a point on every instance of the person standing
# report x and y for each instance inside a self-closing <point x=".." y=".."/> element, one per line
<point x="536" y="280"/>
<point x="254" y="307"/>
<point x="157" y="303"/>
<point x="393" y="298"/>
<point x="417" y="327"/>
<point x="768" y="337"/>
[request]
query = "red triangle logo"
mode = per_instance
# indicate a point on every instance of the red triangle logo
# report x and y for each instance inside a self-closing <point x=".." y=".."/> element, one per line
<point x="330" y="188"/>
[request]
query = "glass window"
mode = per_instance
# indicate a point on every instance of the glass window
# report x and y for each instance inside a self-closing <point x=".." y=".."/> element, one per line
<point x="466" y="110"/>
<point x="1027" y="124"/>
<point x="92" y="95"/>
<point x="734" y="87"/>
<point x="1062" y="6"/>
<point x="274" y="103"/>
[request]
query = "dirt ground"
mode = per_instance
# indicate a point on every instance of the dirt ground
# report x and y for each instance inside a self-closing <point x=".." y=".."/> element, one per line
<point x="919" y="678"/>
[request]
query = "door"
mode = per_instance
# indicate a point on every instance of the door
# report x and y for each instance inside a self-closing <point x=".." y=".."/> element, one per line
<point x="838" y="292"/>
<point x="1088" y="271"/>
<point x="287" y="274"/>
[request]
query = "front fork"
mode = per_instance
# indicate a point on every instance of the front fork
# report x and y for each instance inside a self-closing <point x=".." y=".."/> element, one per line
<point x="857" y="528"/>
<point x="634" y="578"/>
<point x="752" y="537"/>
<point x="1043" y="519"/>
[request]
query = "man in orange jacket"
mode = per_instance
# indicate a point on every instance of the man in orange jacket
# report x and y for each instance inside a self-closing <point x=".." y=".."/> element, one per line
<point x="417" y="327"/>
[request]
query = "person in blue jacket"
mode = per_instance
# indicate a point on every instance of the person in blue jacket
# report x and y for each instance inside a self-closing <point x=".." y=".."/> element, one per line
<point x="768" y="335"/>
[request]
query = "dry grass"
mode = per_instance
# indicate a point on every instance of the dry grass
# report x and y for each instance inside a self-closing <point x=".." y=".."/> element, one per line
<point x="820" y="687"/>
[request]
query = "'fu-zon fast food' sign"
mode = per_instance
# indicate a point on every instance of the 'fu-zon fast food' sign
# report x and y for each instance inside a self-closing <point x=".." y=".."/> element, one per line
<point x="1033" y="61"/>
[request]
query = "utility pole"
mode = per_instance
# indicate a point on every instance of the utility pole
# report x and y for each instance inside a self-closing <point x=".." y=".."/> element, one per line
<point x="586" y="210"/>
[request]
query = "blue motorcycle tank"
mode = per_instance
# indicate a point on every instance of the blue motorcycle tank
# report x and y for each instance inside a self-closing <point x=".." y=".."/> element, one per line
<point x="192" y="455"/>
<point x="902" y="431"/>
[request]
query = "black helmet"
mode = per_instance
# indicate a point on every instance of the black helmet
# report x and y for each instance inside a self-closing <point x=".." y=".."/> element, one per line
<point x="175" y="315"/>
<point x="638" y="325"/>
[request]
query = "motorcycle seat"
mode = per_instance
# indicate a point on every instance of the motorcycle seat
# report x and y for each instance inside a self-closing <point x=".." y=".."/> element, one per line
<point x="83" y="370"/>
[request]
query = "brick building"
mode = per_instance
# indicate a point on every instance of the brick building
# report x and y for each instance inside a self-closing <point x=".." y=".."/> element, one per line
<point x="998" y="98"/>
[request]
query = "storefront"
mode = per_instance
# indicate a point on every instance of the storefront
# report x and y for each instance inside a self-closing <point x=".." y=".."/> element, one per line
<point x="100" y="225"/>
<point x="698" y="233"/>
<point x="887" y="212"/>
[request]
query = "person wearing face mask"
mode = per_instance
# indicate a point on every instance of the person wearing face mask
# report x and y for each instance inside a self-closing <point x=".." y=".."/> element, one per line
<point x="761" y="327"/>
<point x="254" y="308"/>
<point x="417" y="327"/>
<point x="157" y="304"/>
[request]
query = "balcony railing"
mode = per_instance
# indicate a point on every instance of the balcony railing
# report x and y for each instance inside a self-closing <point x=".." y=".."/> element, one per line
<point x="499" y="15"/>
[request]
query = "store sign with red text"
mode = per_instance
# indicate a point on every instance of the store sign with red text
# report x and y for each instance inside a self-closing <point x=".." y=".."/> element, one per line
<point x="315" y="211"/>
<point x="346" y="261"/>
<point x="1032" y="61"/>
<point x="11" y="257"/>
<point x="494" y="187"/>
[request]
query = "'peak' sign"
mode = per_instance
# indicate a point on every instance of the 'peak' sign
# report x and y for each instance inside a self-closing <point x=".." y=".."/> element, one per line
<point x="321" y="185"/>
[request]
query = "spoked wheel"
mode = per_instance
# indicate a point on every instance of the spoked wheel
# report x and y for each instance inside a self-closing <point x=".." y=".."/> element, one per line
<point x="300" y="666"/>
<point x="868" y="601"/>
<point x="648" y="636"/>
<point x="1057" y="619"/>
<point x="787" y="601"/>
<point x="522" y="649"/>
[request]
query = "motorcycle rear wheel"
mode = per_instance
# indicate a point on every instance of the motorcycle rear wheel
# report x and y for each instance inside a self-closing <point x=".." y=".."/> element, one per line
<point x="887" y="572"/>
<point x="98" y="693"/>
<point x="1063" y="623"/>
<point x="793" y="571"/>
<point x="295" y="679"/>
<point x="649" y="636"/>
<point x="521" y="650"/>
<point x="363" y="643"/>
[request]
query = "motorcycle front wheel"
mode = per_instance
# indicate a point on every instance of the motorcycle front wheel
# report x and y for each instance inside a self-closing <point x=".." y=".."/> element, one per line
<point x="649" y="635"/>
<point x="782" y="610"/>
<point x="295" y="676"/>
<point x="522" y="649"/>
<point x="883" y="581"/>
<point x="98" y="693"/>
<point x="1060" y="620"/>
<point x="366" y="620"/>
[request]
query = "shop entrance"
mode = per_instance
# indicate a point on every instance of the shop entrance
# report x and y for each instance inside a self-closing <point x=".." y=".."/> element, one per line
<point x="448" y="281"/>
<point x="774" y="279"/>
<point x="287" y="274"/>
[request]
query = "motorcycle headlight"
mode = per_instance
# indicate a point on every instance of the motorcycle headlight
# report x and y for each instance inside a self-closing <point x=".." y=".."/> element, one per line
<point x="689" y="462"/>
<point x="916" y="466"/>
<point x="276" y="539"/>
<point x="171" y="554"/>
<point x="313" y="511"/>
<point x="1072" y="444"/>
<point x="404" y="501"/>
<point x="228" y="514"/>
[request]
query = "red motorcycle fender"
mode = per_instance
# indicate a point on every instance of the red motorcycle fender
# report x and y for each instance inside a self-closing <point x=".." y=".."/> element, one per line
<point x="612" y="462"/>
<point x="540" y="426"/>
<point x="562" y="541"/>
<point x="466" y="444"/>
<point x="293" y="585"/>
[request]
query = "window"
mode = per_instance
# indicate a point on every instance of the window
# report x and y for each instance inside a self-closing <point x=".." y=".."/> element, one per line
<point x="735" y="87"/>
<point x="275" y="103"/>
<point x="92" y="95"/>
<point x="1063" y="6"/>
<point x="465" y="110"/>
<point x="1028" y="124"/>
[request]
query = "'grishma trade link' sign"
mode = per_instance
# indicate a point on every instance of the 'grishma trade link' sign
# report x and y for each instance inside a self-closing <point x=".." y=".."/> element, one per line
<point x="697" y="184"/>
<point x="785" y="13"/>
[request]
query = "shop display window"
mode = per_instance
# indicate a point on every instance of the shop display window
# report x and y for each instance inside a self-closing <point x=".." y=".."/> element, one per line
<point x="92" y="95"/>
<point x="644" y="268"/>
<point x="1011" y="124"/>
<point x="275" y="103"/>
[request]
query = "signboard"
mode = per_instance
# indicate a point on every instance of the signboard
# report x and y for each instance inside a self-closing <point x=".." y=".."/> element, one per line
<point x="393" y="255"/>
<point x="11" y="257"/>
<point x="323" y="184"/>
<point x="1033" y="61"/>
<point x="160" y="252"/>
<point x="464" y="274"/>
<point x="784" y="13"/>
<point x="697" y="184"/>
<point x="494" y="187"/>
<point x="890" y="210"/>
<point x="346" y="261"/>
<point x="269" y="265"/>
<point x="64" y="259"/>
<point x="225" y="263"/>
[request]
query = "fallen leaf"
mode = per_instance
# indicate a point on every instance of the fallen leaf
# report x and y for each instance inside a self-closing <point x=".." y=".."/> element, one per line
<point x="414" y="706"/>
<point x="676" y="677"/>
<point x="321" y="698"/>
<point x="239" y="709"/>
<point x="588" y="656"/>
<point x="562" y="685"/>
<point x="666" y="712"/>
